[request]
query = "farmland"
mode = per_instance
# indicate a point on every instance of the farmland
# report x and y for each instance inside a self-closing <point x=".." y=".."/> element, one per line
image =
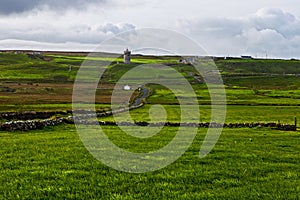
<point x="245" y="163"/>
<point x="257" y="163"/>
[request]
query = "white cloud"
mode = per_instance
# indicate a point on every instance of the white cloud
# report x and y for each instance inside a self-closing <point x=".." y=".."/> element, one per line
<point x="268" y="30"/>
<point x="115" y="28"/>
<point x="48" y="26"/>
<point x="33" y="45"/>
<point x="233" y="28"/>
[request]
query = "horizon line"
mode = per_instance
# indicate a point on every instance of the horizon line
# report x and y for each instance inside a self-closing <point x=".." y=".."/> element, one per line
<point x="35" y="51"/>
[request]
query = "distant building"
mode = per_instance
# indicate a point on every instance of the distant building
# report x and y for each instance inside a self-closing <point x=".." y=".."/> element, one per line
<point x="246" y="57"/>
<point x="127" y="87"/>
<point x="187" y="61"/>
<point x="127" y="55"/>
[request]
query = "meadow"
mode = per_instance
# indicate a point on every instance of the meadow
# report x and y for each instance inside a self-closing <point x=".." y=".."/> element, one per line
<point x="246" y="163"/>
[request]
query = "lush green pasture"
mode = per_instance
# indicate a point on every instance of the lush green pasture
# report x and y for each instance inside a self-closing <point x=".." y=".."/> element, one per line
<point x="245" y="164"/>
<point x="263" y="82"/>
<point x="62" y="68"/>
<point x="253" y="74"/>
<point x="234" y="96"/>
<point x="262" y="97"/>
<point x="234" y="114"/>
<point x="267" y="66"/>
<point x="9" y="58"/>
<point x="22" y="68"/>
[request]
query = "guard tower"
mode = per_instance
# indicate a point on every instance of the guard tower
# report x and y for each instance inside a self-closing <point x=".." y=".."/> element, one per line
<point x="127" y="55"/>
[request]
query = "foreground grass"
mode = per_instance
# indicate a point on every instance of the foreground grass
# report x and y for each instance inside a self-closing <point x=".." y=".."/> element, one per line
<point x="245" y="163"/>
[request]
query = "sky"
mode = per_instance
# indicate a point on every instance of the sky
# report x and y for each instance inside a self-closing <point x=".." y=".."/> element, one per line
<point x="269" y="28"/>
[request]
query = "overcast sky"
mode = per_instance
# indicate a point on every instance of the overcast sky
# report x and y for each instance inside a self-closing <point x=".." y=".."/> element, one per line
<point x="231" y="27"/>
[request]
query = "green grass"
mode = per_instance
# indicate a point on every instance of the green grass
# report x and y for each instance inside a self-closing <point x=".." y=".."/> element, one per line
<point x="253" y="163"/>
<point x="21" y="68"/>
<point x="234" y="114"/>
<point x="262" y="97"/>
<point x="249" y="66"/>
<point x="245" y="164"/>
<point x="263" y="82"/>
<point x="37" y="72"/>
<point x="46" y="107"/>
<point x="234" y="96"/>
<point x="8" y="58"/>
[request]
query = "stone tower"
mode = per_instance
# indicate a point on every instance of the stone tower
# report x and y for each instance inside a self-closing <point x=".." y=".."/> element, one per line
<point x="127" y="55"/>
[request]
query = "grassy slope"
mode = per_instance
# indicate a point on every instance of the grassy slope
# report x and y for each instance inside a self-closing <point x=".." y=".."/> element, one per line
<point x="245" y="163"/>
<point x="261" y="74"/>
<point x="23" y="68"/>
<point x="259" y="66"/>
<point x="243" y="73"/>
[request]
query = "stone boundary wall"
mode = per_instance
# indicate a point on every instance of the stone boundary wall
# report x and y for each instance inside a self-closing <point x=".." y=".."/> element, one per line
<point x="40" y="124"/>
<point x="29" y="124"/>
<point x="31" y="115"/>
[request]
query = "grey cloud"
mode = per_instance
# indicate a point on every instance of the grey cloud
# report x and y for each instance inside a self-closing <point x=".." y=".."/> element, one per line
<point x="80" y="33"/>
<point x="17" y="6"/>
<point x="268" y="30"/>
<point x="275" y="19"/>
<point x="33" y="45"/>
<point x="20" y="6"/>
<point x="271" y="30"/>
<point x="224" y="27"/>
<point x="115" y="29"/>
<point x="63" y="4"/>
<point x="272" y="17"/>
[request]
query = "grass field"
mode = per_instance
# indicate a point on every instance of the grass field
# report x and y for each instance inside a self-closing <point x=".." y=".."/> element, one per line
<point x="234" y="113"/>
<point x="256" y="163"/>
<point x="245" y="164"/>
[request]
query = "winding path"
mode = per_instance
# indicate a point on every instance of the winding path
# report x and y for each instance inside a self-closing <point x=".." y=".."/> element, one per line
<point x="145" y="93"/>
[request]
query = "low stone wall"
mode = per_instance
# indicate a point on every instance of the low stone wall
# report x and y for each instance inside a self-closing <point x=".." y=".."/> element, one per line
<point x="31" y="115"/>
<point x="26" y="122"/>
<point x="38" y="120"/>
<point x="39" y="124"/>
<point x="29" y="124"/>
<point x="286" y="127"/>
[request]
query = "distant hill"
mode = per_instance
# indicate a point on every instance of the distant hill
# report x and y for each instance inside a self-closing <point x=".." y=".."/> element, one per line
<point x="249" y="66"/>
<point x="32" y="66"/>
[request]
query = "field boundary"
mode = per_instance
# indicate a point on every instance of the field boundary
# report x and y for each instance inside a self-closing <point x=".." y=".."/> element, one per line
<point x="40" y="124"/>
